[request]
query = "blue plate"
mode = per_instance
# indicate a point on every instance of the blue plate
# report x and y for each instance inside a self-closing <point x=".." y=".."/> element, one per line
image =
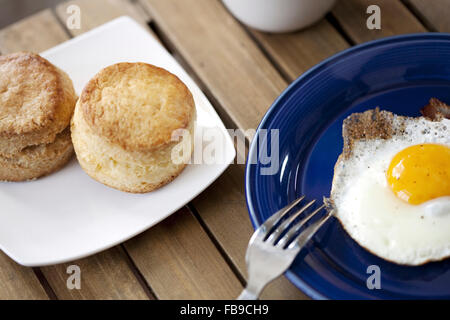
<point x="399" y="74"/>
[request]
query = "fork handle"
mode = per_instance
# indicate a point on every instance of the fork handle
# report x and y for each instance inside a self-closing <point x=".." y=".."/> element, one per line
<point x="253" y="289"/>
<point x="247" y="295"/>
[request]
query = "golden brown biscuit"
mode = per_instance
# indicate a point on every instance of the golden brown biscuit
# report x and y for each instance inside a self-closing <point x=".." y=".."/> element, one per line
<point x="123" y="125"/>
<point x="36" y="161"/>
<point x="36" y="101"/>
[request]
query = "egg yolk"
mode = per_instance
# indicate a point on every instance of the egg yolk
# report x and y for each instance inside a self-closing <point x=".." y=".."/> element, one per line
<point x="420" y="173"/>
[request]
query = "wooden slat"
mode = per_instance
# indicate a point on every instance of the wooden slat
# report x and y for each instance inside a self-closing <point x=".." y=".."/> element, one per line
<point x="17" y="282"/>
<point x="225" y="214"/>
<point x="244" y="84"/>
<point x="180" y="262"/>
<point x="103" y="276"/>
<point x="282" y="289"/>
<point x="36" y="33"/>
<point x="98" y="12"/>
<point x="395" y="19"/>
<point x="436" y="13"/>
<point x="195" y="268"/>
<point x="21" y="36"/>
<point x="296" y="52"/>
<point x="222" y="54"/>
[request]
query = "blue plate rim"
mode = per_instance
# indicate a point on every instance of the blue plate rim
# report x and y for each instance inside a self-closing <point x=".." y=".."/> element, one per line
<point x="296" y="280"/>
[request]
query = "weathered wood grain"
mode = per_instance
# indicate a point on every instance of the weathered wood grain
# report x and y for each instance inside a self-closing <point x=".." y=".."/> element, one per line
<point x="395" y="19"/>
<point x="435" y="13"/>
<point x="180" y="262"/>
<point x="98" y="12"/>
<point x="296" y="52"/>
<point x="223" y="209"/>
<point x="225" y="214"/>
<point x="35" y="33"/>
<point x="18" y="282"/>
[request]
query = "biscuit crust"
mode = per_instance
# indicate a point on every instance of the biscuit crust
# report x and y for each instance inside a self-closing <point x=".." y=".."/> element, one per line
<point x="36" y="101"/>
<point x="123" y="125"/>
<point x="136" y="105"/>
<point x="36" y="161"/>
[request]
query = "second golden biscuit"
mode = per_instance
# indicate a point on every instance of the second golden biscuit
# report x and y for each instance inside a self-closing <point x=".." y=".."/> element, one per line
<point x="36" y="101"/>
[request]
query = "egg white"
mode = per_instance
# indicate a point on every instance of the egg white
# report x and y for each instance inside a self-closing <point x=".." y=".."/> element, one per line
<point x="371" y="213"/>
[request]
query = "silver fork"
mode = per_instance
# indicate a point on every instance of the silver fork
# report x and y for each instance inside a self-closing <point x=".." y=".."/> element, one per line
<point x="275" y="244"/>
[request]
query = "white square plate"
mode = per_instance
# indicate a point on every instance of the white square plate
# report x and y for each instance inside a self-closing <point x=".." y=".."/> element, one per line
<point x="67" y="215"/>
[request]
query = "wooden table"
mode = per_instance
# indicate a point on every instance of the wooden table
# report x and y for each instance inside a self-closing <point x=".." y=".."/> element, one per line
<point x="198" y="252"/>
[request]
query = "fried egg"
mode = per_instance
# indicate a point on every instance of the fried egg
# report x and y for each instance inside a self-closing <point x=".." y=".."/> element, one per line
<point x="391" y="186"/>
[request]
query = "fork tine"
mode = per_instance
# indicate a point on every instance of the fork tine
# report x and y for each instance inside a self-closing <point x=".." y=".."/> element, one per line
<point x="266" y="261"/>
<point x="288" y="236"/>
<point x="273" y="237"/>
<point x="306" y="235"/>
<point x="275" y="218"/>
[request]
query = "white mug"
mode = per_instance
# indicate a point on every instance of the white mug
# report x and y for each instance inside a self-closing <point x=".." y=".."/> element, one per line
<point x="279" y="15"/>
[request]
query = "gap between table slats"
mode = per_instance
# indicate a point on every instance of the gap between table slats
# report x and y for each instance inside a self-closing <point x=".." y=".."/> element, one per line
<point x="433" y="14"/>
<point x="395" y="19"/>
<point x="342" y="28"/>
